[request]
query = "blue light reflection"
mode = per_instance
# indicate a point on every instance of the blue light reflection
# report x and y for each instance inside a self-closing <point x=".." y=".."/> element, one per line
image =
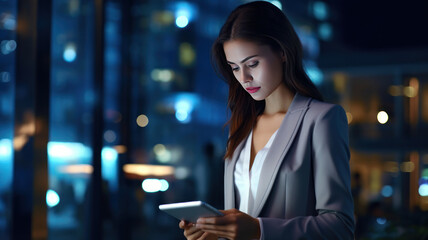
<point x="52" y="198"/>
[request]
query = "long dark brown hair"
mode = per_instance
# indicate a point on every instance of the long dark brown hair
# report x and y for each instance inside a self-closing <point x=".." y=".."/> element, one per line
<point x="265" y="24"/>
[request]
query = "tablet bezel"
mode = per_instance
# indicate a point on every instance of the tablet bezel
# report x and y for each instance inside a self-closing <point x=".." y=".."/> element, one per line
<point x="190" y="211"/>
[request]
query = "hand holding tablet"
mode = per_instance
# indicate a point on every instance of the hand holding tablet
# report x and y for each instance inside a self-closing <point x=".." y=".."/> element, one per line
<point x="190" y="211"/>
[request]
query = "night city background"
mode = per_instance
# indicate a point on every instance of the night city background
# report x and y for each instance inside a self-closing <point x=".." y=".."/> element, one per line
<point x="109" y="108"/>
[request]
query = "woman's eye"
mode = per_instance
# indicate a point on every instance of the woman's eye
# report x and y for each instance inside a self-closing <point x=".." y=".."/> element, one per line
<point x="253" y="65"/>
<point x="234" y="69"/>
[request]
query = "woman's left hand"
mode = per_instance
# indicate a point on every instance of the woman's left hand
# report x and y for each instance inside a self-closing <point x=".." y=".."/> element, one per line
<point x="233" y="225"/>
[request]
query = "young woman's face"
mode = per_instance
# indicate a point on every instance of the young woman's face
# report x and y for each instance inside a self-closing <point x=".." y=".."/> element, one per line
<point x="257" y="68"/>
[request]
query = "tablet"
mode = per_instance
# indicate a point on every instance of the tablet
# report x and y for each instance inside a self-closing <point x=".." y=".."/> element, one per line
<point x="190" y="211"/>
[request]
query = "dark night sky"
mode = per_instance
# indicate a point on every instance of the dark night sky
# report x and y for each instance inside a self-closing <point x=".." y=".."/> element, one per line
<point x="374" y="24"/>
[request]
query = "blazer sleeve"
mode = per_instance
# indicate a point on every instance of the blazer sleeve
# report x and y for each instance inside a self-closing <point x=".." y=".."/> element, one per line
<point x="331" y="174"/>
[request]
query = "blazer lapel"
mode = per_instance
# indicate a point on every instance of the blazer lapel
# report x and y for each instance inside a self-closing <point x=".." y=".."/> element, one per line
<point x="229" y="181"/>
<point x="279" y="148"/>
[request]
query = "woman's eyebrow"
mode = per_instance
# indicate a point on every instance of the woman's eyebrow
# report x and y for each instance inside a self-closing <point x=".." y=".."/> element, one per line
<point x="244" y="60"/>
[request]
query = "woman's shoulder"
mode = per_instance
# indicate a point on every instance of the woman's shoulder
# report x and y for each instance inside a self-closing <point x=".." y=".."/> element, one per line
<point x="316" y="109"/>
<point x="319" y="109"/>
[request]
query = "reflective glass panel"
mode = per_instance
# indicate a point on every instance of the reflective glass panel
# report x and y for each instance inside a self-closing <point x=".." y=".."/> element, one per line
<point x="8" y="18"/>
<point x="71" y="123"/>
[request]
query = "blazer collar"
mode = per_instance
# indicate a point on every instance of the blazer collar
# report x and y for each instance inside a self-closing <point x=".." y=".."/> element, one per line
<point x="281" y="144"/>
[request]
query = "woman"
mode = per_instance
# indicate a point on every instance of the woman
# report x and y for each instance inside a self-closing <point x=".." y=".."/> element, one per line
<point x="287" y="160"/>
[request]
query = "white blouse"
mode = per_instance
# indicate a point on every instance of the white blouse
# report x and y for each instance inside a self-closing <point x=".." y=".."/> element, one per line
<point x="246" y="181"/>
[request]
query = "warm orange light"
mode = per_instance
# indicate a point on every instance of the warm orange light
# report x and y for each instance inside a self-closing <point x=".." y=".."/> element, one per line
<point x="77" y="169"/>
<point x="407" y="167"/>
<point x="120" y="149"/>
<point x="144" y="170"/>
<point x="19" y="142"/>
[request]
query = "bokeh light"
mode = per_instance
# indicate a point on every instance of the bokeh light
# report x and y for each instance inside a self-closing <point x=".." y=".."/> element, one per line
<point x="69" y="54"/>
<point x="382" y="117"/>
<point x="387" y="191"/>
<point x="142" y="120"/>
<point x="181" y="21"/>
<point x="52" y="198"/>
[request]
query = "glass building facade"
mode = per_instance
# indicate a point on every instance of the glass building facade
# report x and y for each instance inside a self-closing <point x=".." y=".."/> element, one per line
<point x="110" y="108"/>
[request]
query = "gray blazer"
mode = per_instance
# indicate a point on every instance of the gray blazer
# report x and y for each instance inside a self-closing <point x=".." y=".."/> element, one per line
<point x="304" y="190"/>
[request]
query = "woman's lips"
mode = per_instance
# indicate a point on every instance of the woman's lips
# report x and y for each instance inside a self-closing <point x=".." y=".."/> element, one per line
<point x="252" y="89"/>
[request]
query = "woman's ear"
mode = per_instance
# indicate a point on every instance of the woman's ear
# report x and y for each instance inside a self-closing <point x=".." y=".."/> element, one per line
<point x="283" y="58"/>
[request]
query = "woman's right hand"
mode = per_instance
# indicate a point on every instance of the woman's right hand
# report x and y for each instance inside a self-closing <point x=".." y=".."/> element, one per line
<point x="193" y="233"/>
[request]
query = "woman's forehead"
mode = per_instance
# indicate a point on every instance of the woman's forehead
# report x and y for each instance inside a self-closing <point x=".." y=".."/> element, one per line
<point x="237" y="50"/>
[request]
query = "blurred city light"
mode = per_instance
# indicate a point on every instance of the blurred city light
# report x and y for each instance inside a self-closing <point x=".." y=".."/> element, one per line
<point x="120" y="149"/>
<point x="144" y="170"/>
<point x="5" y="77"/>
<point x="413" y="88"/>
<point x="162" y="75"/>
<point x="7" y="46"/>
<point x="395" y="90"/>
<point x="423" y="184"/>
<point x="391" y="166"/>
<point x="152" y="185"/>
<point x="82" y="169"/>
<point x="164" y="185"/>
<point x="320" y="10"/>
<point x="387" y="191"/>
<point x="159" y="149"/>
<point x="69" y="54"/>
<point x="187" y="54"/>
<point x="423" y="190"/>
<point x="314" y="73"/>
<point x="382" y="117"/>
<point x="142" y="120"/>
<point x="109" y="154"/>
<point x="182" y="116"/>
<point x="6" y="165"/>
<point x="52" y="198"/>
<point x="110" y="136"/>
<point x="184" y="13"/>
<point x="425" y="172"/>
<point x="68" y="151"/>
<point x="109" y="166"/>
<point x="325" y="31"/>
<point x="8" y="21"/>
<point x="380" y="220"/>
<point x="181" y="21"/>
<point x="163" y="155"/>
<point x="5" y="149"/>
<point x="183" y="110"/>
<point x="182" y="172"/>
<point x="407" y="166"/>
<point x="163" y="18"/>
<point x="409" y="92"/>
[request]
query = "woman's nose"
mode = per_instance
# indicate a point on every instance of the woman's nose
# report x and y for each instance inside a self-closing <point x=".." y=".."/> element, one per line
<point x="245" y="76"/>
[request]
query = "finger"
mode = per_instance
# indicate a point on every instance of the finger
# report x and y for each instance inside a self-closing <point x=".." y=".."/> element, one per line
<point x="192" y="234"/>
<point x="204" y="236"/>
<point x="192" y="230"/>
<point x="186" y="224"/>
<point x="227" y="219"/>
<point x="222" y="234"/>
<point x="207" y="227"/>
<point x="182" y="224"/>
<point x="206" y="220"/>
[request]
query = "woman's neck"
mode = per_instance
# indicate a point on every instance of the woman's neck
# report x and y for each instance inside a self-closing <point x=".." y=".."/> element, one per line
<point x="279" y="101"/>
